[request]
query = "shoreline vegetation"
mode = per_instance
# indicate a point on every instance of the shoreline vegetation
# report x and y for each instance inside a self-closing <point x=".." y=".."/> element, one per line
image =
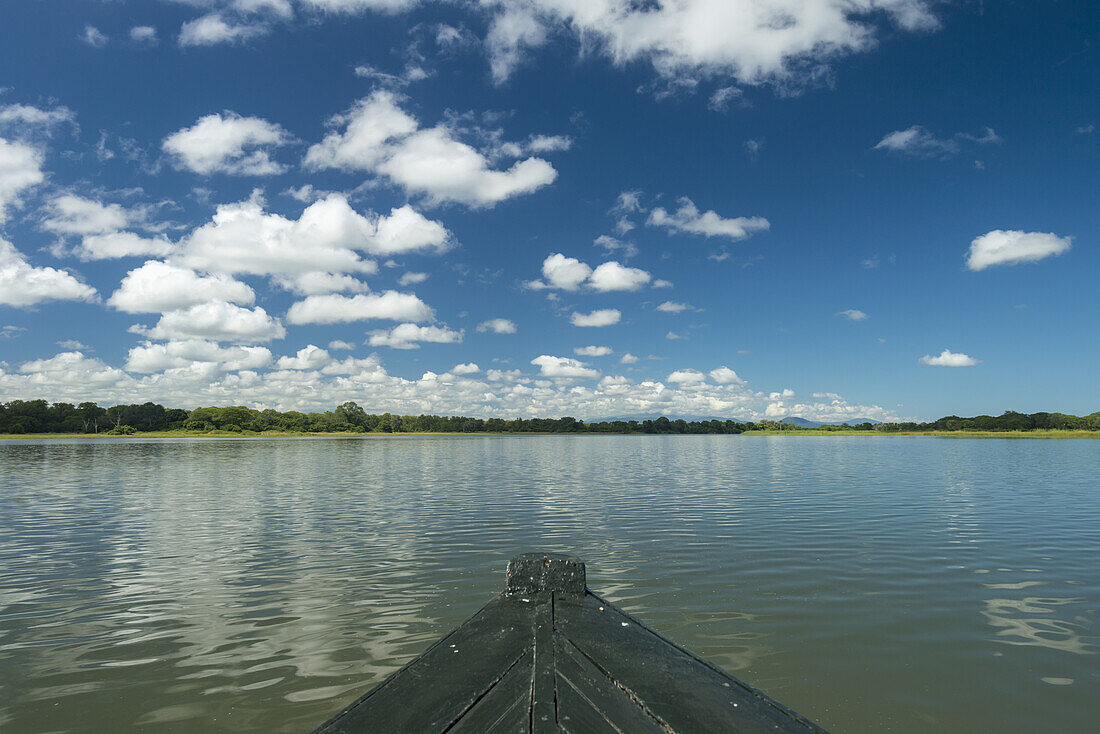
<point x="41" y="419"/>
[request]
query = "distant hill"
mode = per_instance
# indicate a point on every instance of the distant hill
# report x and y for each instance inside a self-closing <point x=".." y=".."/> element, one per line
<point x="804" y="423"/>
<point x="641" y="418"/>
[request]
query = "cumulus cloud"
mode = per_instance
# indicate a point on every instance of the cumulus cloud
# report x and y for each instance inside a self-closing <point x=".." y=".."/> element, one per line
<point x="158" y="287"/>
<point x="242" y="238"/>
<point x="568" y="273"/>
<point x="28" y="121"/>
<point x="217" y="321"/>
<point x="612" y="244"/>
<point x="600" y="317"/>
<point x="1010" y="247"/>
<point x="71" y="214"/>
<point x="406" y="336"/>
<point x="335" y="308"/>
<point x="628" y="358"/>
<point x="725" y="376"/>
<point x="673" y="307"/>
<point x="752" y="41"/>
<point x="214" y="28"/>
<point x="565" y="367"/>
<point x="22" y="284"/>
<point x="114" y="245"/>
<point x="339" y="344"/>
<point x="145" y="34"/>
<point x="947" y="358"/>
<point x="563" y="272"/>
<point x="174" y="355"/>
<point x="315" y="283"/>
<point x="231" y="144"/>
<point x="592" y="351"/>
<point x="468" y="368"/>
<point x="376" y="135"/>
<point x="687" y="218"/>
<point x="20" y="169"/>
<point x="686" y="377"/>
<point x="412" y="278"/>
<point x="611" y="276"/>
<point x="852" y="314"/>
<point x="309" y="357"/>
<point x="497" y="326"/>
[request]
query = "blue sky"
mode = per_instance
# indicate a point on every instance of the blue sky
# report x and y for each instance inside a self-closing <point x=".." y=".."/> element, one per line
<point x="551" y="207"/>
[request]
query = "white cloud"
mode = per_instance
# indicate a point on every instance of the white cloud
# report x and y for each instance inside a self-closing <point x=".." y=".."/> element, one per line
<point x="468" y="368"/>
<point x="497" y="326"/>
<point x="725" y="376"/>
<point x="753" y="41"/>
<point x="22" y="284"/>
<point x="315" y="283"/>
<point x="332" y="309"/>
<point x="686" y="377"/>
<point x="113" y="245"/>
<point x="378" y="136"/>
<point x="214" y="28"/>
<point x="146" y="34"/>
<point x="242" y="238"/>
<point x="20" y="169"/>
<point x="309" y="357"/>
<point x="338" y="344"/>
<point x="71" y="214"/>
<point x="918" y="142"/>
<point x="412" y="278"/>
<point x="709" y="224"/>
<point x="161" y="287"/>
<point x="549" y="143"/>
<point x="218" y="321"/>
<point x="947" y="358"/>
<point x="611" y="276"/>
<point x="592" y="351"/>
<point x="601" y="317"/>
<point x="673" y="307"/>
<point x="406" y="336"/>
<point x="1009" y="247"/>
<point x="611" y="244"/>
<point x="93" y="37"/>
<point x="358" y="6"/>
<point x="564" y="272"/>
<point x="506" y="393"/>
<point x="628" y="358"/>
<point x="568" y="273"/>
<point x="151" y="357"/>
<point x="673" y="336"/>
<point x="565" y="367"/>
<point x="26" y="120"/>
<point x="231" y="144"/>
<point x="661" y="283"/>
<point x="853" y="314"/>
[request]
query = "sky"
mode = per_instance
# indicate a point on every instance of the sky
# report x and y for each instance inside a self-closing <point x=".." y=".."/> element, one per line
<point x="747" y="209"/>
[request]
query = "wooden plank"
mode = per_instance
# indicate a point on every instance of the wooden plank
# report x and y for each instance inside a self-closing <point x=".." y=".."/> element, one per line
<point x="506" y="708"/>
<point x="577" y="715"/>
<point x="584" y="689"/>
<point x="681" y="690"/>
<point x="543" y="694"/>
<point x="436" y="689"/>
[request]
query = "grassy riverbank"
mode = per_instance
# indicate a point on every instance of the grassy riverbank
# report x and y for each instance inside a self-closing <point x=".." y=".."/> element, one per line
<point x="351" y="434"/>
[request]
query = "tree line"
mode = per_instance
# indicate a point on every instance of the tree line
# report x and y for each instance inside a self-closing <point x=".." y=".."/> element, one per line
<point x="40" y="416"/>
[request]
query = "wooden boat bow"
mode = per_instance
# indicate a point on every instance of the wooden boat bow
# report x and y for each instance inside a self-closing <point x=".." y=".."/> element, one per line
<point x="549" y="655"/>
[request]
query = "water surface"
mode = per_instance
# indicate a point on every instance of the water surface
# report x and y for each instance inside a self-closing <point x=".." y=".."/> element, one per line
<point x="872" y="584"/>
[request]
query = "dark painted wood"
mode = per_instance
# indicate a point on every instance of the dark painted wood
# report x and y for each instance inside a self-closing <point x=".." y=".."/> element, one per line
<point x="547" y="655"/>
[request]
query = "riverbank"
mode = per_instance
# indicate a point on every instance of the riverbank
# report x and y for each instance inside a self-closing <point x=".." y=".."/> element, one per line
<point x="349" y="434"/>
